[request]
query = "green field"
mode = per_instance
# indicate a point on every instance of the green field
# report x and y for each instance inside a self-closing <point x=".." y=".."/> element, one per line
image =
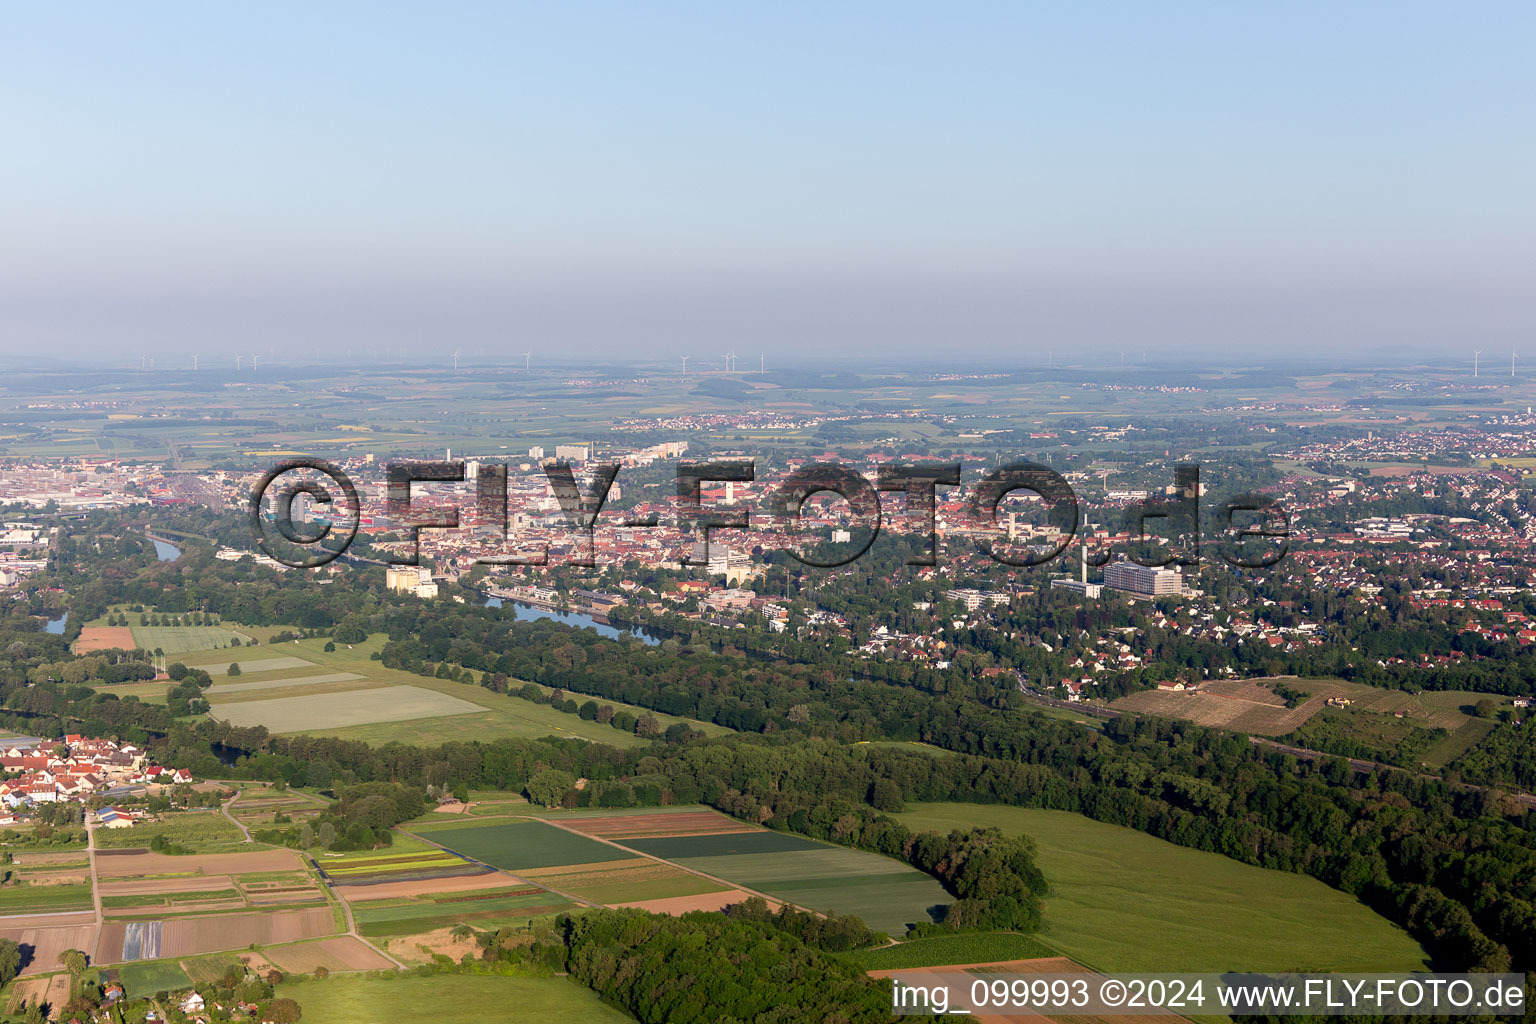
<point x="208" y="970"/>
<point x="889" y="895"/>
<point x="180" y="639"/>
<point x="143" y="980"/>
<point x="149" y="693"/>
<point x="448" y="999"/>
<point x="250" y="659"/>
<point x="433" y="864"/>
<point x="517" y="844"/>
<point x="415" y="917"/>
<point x="334" y="711"/>
<point x="400" y="843"/>
<point x="225" y="690"/>
<point x="1122" y="900"/>
<point x="199" y="831"/>
<point x="963" y="948"/>
<point x="44" y="899"/>
<point x="327" y="704"/>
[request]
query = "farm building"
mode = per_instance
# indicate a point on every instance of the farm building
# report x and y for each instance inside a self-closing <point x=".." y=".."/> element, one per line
<point x="111" y="817"/>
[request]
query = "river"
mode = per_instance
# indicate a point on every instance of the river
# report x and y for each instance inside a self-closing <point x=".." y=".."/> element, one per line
<point x="166" y="551"/>
<point x="528" y="613"/>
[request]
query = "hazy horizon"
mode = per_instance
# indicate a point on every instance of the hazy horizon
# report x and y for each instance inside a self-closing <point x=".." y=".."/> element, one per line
<point x="894" y="182"/>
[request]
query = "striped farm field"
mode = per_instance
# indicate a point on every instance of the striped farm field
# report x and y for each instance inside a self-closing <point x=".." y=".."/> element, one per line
<point x="412" y="917"/>
<point x="624" y="881"/>
<point x="225" y="689"/>
<point x="44" y="899"/>
<point x="189" y="936"/>
<point x="515" y="845"/>
<point x="648" y="826"/>
<point x="889" y="895"/>
<point x="249" y="659"/>
<point x="339" y="710"/>
<point x="407" y="860"/>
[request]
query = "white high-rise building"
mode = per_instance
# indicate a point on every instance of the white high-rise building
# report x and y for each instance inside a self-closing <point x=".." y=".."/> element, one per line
<point x="1142" y="580"/>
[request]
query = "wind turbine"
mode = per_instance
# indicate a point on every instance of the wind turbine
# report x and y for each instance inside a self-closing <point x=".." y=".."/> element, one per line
<point x="456" y="357"/>
<point x="238" y="357"/>
<point x="1475" y="353"/>
<point x="762" y="363"/>
<point x="194" y="364"/>
<point x="527" y="359"/>
<point x="143" y="359"/>
<point x="685" y="364"/>
<point x="253" y="362"/>
<point x="1513" y="355"/>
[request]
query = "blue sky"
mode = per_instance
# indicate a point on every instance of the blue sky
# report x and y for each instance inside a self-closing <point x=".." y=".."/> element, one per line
<point x="992" y="180"/>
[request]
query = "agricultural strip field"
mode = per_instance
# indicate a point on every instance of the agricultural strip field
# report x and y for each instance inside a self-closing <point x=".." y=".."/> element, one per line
<point x="515" y="845"/>
<point x="249" y="660"/>
<point x="52" y="991"/>
<point x="340" y="710"/>
<point x="342" y="953"/>
<point x="886" y="893"/>
<point x="449" y="999"/>
<point x="44" y="899"/>
<point x="142" y="863"/>
<point x="104" y="638"/>
<point x="224" y="689"/>
<point x="188" y="936"/>
<point x="405" y="867"/>
<point x="353" y="891"/>
<point x="1111" y="887"/>
<point x="617" y="882"/>
<point x="42" y="939"/>
<point x="672" y="823"/>
<point x="486" y="910"/>
<point x="494" y="715"/>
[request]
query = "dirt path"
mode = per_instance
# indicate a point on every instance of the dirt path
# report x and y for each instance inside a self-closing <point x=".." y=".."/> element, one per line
<point x="346" y="910"/>
<point x="90" y="849"/>
<point x="238" y="823"/>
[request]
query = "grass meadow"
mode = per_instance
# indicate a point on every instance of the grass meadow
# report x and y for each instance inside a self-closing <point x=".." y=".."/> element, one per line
<point x="1122" y="900"/>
